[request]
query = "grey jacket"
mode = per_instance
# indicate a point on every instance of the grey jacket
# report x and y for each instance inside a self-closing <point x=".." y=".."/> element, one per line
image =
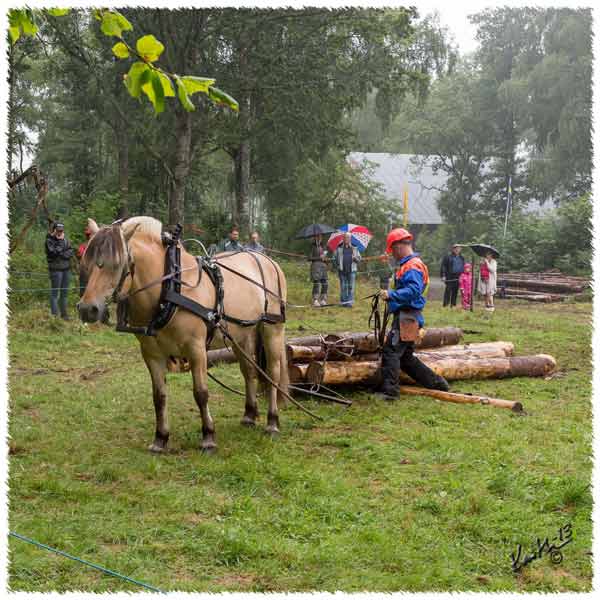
<point x="338" y="257"/>
<point x="58" y="253"/>
<point x="318" y="268"/>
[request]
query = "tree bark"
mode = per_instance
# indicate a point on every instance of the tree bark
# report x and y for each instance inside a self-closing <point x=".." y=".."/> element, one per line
<point x="297" y="372"/>
<point x="181" y="169"/>
<point x="461" y="398"/>
<point x="349" y="372"/>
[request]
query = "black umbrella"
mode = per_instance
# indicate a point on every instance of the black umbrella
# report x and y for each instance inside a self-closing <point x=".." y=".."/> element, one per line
<point x="483" y="249"/>
<point x="314" y="229"/>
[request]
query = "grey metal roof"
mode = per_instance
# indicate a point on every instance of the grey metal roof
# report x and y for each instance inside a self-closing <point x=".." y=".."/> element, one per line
<point x="394" y="171"/>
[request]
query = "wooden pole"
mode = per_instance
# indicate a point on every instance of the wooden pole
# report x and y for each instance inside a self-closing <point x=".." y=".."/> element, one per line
<point x="458" y="398"/>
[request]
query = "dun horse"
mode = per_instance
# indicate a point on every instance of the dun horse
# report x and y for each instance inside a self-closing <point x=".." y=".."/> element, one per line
<point x="128" y="260"/>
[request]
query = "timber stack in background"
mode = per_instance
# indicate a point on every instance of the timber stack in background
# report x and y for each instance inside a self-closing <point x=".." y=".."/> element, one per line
<point x="549" y="286"/>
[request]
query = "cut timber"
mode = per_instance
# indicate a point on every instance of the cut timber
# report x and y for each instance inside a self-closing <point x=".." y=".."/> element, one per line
<point x="297" y="372"/>
<point x="304" y="353"/>
<point x="349" y="372"/>
<point x="365" y="342"/>
<point x="222" y="355"/>
<point x="461" y="398"/>
<point x="544" y="286"/>
<point x="507" y="348"/>
<point x="342" y="372"/>
<point x="535" y="297"/>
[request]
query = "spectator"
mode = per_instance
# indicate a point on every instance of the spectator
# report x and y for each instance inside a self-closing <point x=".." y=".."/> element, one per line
<point x="318" y="272"/>
<point x="487" y="280"/>
<point x="232" y="243"/>
<point x="254" y="243"/>
<point x="346" y="258"/>
<point x="465" y="284"/>
<point x="58" y="254"/>
<point x="453" y="265"/>
<point x="83" y="276"/>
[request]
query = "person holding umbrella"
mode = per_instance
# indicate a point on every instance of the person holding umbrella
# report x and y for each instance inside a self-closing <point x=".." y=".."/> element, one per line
<point x="346" y="258"/>
<point x="487" y="279"/>
<point x="318" y="260"/>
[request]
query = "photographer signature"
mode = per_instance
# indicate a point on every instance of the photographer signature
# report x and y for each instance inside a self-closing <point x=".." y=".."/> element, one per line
<point x="565" y="536"/>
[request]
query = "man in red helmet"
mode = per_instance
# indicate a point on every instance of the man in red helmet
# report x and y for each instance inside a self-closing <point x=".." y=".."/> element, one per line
<point x="405" y="301"/>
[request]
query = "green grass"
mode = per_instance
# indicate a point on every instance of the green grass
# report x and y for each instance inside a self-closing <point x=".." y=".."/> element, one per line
<point x="415" y="495"/>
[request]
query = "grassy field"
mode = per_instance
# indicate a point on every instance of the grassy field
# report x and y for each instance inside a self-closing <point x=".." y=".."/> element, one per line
<point x="413" y="495"/>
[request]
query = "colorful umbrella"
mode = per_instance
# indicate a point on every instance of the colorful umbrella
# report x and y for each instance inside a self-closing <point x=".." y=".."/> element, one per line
<point x="361" y="236"/>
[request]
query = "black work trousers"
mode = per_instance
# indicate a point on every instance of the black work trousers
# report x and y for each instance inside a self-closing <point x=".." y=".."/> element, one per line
<point x="400" y="355"/>
<point x="451" y="291"/>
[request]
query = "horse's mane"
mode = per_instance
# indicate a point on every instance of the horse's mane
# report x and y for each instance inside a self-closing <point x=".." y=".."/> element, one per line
<point x="108" y="246"/>
<point x="145" y="225"/>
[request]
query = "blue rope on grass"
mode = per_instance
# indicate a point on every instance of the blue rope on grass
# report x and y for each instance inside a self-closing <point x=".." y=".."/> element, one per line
<point x="85" y="562"/>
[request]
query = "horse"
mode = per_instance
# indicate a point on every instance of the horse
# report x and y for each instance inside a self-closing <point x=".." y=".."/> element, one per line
<point x="127" y="260"/>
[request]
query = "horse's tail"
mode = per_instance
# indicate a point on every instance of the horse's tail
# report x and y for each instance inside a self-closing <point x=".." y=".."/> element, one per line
<point x="284" y="376"/>
<point x="261" y="358"/>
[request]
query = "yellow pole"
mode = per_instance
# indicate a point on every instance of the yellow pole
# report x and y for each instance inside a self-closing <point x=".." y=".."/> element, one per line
<point x="405" y="205"/>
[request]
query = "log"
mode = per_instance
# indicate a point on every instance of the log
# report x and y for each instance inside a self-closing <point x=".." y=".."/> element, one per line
<point x="536" y="297"/>
<point x="297" y="372"/>
<point x="452" y="369"/>
<point x="540" y="286"/>
<point x="304" y="353"/>
<point x="461" y="398"/>
<point x="507" y="348"/>
<point x="222" y="355"/>
<point x="365" y="342"/>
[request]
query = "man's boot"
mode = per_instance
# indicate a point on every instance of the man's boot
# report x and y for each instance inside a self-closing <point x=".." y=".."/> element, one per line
<point x="315" y="301"/>
<point x="323" y="299"/>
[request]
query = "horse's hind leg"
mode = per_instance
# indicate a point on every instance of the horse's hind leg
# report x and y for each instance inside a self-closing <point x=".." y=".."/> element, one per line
<point x="199" y="375"/>
<point x="251" y="406"/>
<point x="272" y="346"/>
<point x="158" y="368"/>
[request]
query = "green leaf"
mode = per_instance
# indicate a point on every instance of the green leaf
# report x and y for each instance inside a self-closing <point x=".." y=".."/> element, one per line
<point x="120" y="50"/>
<point x="15" y="33"/>
<point x="166" y="84"/>
<point x="154" y="90"/>
<point x="58" y="12"/>
<point x="222" y="98"/>
<point x="149" y="48"/>
<point x="197" y="84"/>
<point x="137" y="76"/>
<point x="183" y="96"/>
<point x="114" y="23"/>
<point x="21" y="22"/>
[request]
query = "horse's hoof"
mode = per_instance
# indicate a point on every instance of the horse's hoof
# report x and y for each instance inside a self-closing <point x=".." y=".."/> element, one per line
<point x="272" y="431"/>
<point x="248" y="422"/>
<point x="156" y="448"/>
<point x="208" y="449"/>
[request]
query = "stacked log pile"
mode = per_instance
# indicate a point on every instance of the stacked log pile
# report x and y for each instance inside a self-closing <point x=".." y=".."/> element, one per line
<point x="352" y="358"/>
<point x="550" y="286"/>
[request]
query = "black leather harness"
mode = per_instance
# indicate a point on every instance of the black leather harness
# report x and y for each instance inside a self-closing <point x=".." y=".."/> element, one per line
<point x="171" y="297"/>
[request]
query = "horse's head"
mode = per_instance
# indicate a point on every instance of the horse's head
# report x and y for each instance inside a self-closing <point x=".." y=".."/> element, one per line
<point x="106" y="262"/>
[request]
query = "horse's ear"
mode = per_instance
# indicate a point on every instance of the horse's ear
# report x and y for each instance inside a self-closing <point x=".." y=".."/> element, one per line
<point x="93" y="226"/>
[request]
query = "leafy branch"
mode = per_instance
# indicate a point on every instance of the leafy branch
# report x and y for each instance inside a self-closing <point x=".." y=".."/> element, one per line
<point x="144" y="75"/>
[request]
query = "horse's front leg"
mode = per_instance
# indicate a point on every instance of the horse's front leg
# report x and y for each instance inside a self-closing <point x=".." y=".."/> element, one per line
<point x="199" y="375"/>
<point x="158" y="368"/>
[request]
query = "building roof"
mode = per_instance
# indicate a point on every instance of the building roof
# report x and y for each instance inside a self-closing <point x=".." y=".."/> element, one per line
<point x="394" y="171"/>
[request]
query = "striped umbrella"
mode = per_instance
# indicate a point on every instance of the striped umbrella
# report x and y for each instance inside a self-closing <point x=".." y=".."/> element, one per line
<point x="361" y="236"/>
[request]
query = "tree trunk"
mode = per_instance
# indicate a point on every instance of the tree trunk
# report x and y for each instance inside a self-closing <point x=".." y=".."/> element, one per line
<point x="123" y="142"/>
<point x="183" y="135"/>
<point x="529" y="285"/>
<point x="243" y="153"/>
<point x="348" y="372"/>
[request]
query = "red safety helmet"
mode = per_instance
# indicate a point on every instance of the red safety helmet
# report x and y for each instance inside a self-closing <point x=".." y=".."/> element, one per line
<point x="397" y="235"/>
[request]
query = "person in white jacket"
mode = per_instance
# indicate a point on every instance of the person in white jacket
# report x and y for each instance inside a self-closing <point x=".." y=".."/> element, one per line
<point x="487" y="280"/>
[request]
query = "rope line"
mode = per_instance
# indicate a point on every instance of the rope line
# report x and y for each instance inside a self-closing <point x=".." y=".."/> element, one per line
<point x="85" y="562"/>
